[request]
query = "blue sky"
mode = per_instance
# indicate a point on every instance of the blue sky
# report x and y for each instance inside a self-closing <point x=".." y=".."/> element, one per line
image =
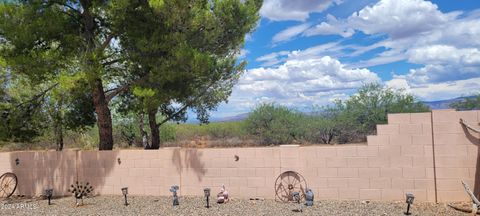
<point x="310" y="52"/>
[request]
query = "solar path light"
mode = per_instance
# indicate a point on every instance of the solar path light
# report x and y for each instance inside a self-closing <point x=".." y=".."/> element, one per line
<point x="309" y="197"/>
<point x="206" y="191"/>
<point x="174" y="190"/>
<point x="49" y="193"/>
<point x="125" y="192"/>
<point x="409" y="201"/>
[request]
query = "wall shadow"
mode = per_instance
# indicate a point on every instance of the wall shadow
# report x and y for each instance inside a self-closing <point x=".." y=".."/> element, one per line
<point x="475" y="140"/>
<point x="37" y="171"/>
<point x="192" y="160"/>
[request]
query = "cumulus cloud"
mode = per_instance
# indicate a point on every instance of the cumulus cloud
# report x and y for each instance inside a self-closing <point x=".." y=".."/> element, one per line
<point x="301" y="82"/>
<point x="399" y="18"/>
<point x="446" y="44"/>
<point x="438" y="91"/>
<point x="441" y="54"/>
<point x="281" y="10"/>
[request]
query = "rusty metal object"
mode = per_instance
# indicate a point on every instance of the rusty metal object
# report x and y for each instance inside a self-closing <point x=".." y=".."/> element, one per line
<point x="287" y="184"/>
<point x="8" y="184"/>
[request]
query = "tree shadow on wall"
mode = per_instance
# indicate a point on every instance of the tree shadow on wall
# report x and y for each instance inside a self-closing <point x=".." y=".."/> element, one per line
<point x="192" y="160"/>
<point x="475" y="140"/>
<point x="57" y="170"/>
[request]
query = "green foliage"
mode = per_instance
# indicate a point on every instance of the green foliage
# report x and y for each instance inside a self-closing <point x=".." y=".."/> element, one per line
<point x="173" y="52"/>
<point x="359" y="115"/>
<point x="274" y="124"/>
<point x="319" y="129"/>
<point x="472" y="103"/>
<point x="21" y="110"/>
<point x="167" y="133"/>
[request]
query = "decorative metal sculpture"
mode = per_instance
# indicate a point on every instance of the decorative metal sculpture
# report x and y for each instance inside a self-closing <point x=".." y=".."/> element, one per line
<point x="309" y="197"/>
<point x="8" y="184"/>
<point x="287" y="183"/>
<point x="49" y="194"/>
<point x="206" y="192"/>
<point x="80" y="190"/>
<point x="174" y="190"/>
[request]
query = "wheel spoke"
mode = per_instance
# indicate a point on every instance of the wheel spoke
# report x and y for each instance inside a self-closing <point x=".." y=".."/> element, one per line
<point x="11" y="179"/>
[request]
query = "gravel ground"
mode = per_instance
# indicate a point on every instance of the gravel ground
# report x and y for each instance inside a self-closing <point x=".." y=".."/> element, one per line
<point x="113" y="205"/>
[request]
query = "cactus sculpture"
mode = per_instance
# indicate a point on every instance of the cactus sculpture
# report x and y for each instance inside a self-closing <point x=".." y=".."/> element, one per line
<point x="80" y="190"/>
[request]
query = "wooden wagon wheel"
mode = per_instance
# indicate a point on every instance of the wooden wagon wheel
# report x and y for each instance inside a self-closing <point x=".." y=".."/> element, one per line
<point x="287" y="183"/>
<point x="8" y="184"/>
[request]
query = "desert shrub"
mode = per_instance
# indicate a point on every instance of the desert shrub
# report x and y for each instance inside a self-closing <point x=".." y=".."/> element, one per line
<point x="358" y="115"/>
<point x="319" y="129"/>
<point x="167" y="133"/>
<point x="274" y="124"/>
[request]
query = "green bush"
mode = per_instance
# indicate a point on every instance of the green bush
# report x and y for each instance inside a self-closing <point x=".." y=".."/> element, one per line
<point x="167" y="133"/>
<point x="359" y="115"/>
<point x="318" y="129"/>
<point x="274" y="124"/>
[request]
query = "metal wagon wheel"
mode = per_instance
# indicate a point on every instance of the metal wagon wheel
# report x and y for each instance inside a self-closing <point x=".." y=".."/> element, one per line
<point x="8" y="184"/>
<point x="287" y="183"/>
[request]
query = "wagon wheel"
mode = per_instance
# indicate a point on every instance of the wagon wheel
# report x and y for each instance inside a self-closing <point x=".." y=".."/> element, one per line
<point x="8" y="184"/>
<point x="287" y="183"/>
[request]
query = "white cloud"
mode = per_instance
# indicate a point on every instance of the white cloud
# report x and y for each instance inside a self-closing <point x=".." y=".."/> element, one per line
<point x="272" y="58"/>
<point x="445" y="54"/>
<point x="439" y="73"/>
<point x="399" y="18"/>
<point x="280" y="10"/>
<point x="332" y="26"/>
<point x="301" y="82"/>
<point x="290" y="33"/>
<point x="328" y="49"/>
<point x="438" y="91"/>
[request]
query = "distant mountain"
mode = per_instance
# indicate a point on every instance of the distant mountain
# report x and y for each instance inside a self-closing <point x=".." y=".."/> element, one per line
<point x="440" y="104"/>
<point x="238" y="117"/>
<point x="444" y="104"/>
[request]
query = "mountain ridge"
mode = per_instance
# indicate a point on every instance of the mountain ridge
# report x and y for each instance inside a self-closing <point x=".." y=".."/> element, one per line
<point x="438" y="104"/>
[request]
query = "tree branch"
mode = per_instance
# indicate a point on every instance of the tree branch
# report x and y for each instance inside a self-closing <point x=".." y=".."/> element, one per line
<point x="468" y="126"/>
<point x="106" y="42"/>
<point x="187" y="105"/>
<point x="112" y="62"/>
<point x="114" y="92"/>
<point x="39" y="95"/>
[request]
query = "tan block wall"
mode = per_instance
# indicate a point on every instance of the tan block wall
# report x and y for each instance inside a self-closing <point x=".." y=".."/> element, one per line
<point x="399" y="159"/>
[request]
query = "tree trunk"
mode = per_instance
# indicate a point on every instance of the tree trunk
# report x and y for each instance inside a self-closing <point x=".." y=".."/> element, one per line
<point x="154" y="129"/>
<point x="104" y="118"/>
<point x="59" y="136"/>
<point x="58" y="124"/>
<point x="143" y="133"/>
<point x="58" y="130"/>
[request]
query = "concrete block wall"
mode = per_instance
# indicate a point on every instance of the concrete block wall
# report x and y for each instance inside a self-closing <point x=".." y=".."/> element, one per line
<point x="401" y="158"/>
